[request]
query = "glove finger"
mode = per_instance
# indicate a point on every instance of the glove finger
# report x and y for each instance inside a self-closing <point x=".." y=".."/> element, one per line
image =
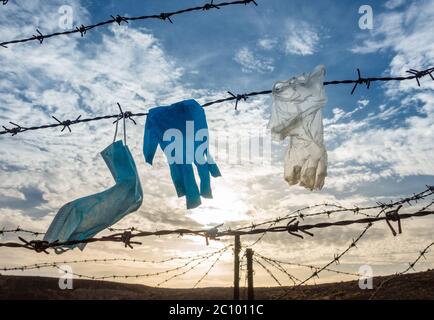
<point x="292" y="167"/>
<point x="308" y="173"/>
<point x="321" y="173"/>
<point x="292" y="174"/>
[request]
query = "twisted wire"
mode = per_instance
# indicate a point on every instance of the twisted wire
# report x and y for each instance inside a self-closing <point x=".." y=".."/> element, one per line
<point x="411" y="266"/>
<point x="118" y="19"/>
<point x="16" y="128"/>
<point x="210" y="268"/>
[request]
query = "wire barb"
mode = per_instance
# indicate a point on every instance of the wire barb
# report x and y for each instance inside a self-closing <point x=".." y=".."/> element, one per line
<point x="119" y="19"/>
<point x="212" y="233"/>
<point x="127" y="115"/>
<point x="420" y="74"/>
<point x="292" y="228"/>
<point x="14" y="131"/>
<point x="126" y="239"/>
<point x="210" y="5"/>
<point x="238" y="98"/>
<point x="361" y="80"/>
<point x="67" y="123"/>
<point x="40" y="37"/>
<point x="246" y="2"/>
<point x="37" y="245"/>
<point x="82" y="29"/>
<point x="163" y="16"/>
<point x="394" y="216"/>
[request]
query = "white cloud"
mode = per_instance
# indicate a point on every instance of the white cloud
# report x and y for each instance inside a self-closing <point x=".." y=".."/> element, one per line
<point x="393" y="4"/>
<point x="302" y="39"/>
<point x="249" y="62"/>
<point x="267" y="43"/>
<point x="402" y="148"/>
<point x="363" y="103"/>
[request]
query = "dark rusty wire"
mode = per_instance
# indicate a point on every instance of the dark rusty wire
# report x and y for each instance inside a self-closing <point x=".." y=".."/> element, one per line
<point x="142" y="275"/>
<point x="180" y="274"/>
<point x="389" y="215"/>
<point x="292" y="228"/>
<point x="20" y="230"/>
<point x="210" y="268"/>
<point x="279" y="267"/>
<point x="300" y="213"/>
<point x="268" y="271"/>
<point x="336" y="260"/>
<point x="237" y="97"/>
<point x="410" y="267"/>
<point x="309" y="266"/>
<point x="118" y="19"/>
<point x="105" y="260"/>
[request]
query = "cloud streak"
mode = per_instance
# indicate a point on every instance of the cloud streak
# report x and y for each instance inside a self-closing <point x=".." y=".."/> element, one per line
<point x="302" y="39"/>
<point x="251" y="63"/>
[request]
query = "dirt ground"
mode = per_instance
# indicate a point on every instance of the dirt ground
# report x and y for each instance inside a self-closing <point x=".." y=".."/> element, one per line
<point x="412" y="286"/>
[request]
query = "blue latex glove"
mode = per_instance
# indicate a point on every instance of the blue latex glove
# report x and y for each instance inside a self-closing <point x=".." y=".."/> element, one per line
<point x="164" y="121"/>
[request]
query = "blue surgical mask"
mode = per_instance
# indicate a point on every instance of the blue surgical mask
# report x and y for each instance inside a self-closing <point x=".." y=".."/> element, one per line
<point x="85" y="217"/>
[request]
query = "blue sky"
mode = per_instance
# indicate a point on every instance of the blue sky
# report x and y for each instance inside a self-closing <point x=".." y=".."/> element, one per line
<point x="379" y="141"/>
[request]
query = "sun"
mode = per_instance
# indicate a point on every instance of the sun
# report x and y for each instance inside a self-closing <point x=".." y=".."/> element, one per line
<point x="226" y="206"/>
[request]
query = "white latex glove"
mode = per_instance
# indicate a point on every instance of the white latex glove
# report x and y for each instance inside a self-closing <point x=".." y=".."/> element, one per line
<point x="296" y="113"/>
<point x="306" y="164"/>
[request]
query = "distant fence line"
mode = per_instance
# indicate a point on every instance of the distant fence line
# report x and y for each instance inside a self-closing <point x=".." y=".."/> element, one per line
<point x="294" y="225"/>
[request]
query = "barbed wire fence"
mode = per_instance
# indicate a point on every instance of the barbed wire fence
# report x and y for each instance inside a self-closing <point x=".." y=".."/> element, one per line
<point x="388" y="212"/>
<point x="20" y="230"/>
<point x="411" y="266"/>
<point x="128" y="115"/>
<point x="105" y="260"/>
<point x="118" y="19"/>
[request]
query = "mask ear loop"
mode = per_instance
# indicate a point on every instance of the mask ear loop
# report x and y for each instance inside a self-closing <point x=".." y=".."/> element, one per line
<point x="116" y="131"/>
<point x="120" y="116"/>
<point x="125" y="131"/>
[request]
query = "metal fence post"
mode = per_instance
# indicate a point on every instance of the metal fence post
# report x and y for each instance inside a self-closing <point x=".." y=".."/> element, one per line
<point x="249" y="256"/>
<point x="237" y="250"/>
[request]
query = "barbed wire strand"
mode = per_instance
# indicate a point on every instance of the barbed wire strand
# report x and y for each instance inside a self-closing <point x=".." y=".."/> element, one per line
<point x="356" y="210"/>
<point x="51" y="264"/>
<point x="392" y="214"/>
<point x="309" y="266"/>
<point x="292" y="228"/>
<point x="336" y="259"/>
<point x="20" y="230"/>
<point x="16" y="129"/>
<point x="209" y="270"/>
<point x="410" y="267"/>
<point x="183" y="273"/>
<point x="118" y="19"/>
<point x="279" y="267"/>
<point x="299" y="213"/>
<point x="269" y="272"/>
<point x="144" y="275"/>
